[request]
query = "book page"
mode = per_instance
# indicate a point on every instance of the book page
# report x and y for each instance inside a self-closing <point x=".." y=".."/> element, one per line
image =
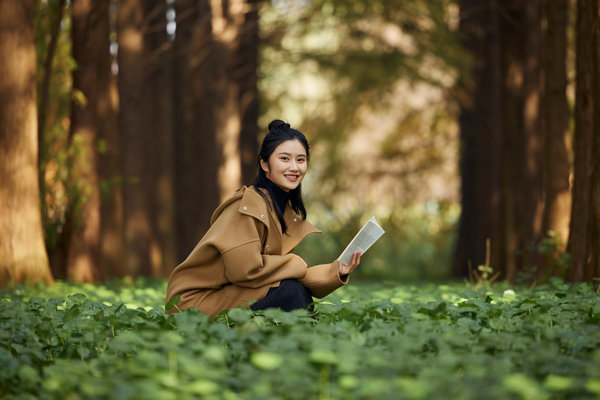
<point x="366" y="236"/>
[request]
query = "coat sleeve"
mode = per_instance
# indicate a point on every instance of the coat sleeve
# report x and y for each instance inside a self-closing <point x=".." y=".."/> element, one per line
<point x="323" y="279"/>
<point x="241" y="249"/>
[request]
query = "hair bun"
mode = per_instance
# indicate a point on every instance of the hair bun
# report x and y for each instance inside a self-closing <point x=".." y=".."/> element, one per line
<point x="277" y="123"/>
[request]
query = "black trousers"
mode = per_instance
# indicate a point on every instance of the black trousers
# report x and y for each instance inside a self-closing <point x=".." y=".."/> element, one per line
<point x="289" y="295"/>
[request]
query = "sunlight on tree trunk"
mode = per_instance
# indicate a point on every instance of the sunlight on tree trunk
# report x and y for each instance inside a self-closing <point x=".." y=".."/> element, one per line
<point x="557" y="205"/>
<point x="22" y="252"/>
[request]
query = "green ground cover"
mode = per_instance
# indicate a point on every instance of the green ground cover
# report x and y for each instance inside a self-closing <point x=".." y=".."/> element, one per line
<point x="364" y="342"/>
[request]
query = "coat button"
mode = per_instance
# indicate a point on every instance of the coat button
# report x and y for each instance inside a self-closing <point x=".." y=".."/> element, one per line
<point x="295" y="219"/>
<point x="262" y="216"/>
<point x="244" y="208"/>
<point x="267" y="247"/>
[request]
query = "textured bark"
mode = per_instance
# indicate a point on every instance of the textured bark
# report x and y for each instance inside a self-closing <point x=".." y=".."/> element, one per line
<point x="209" y="105"/>
<point x="90" y="121"/>
<point x="22" y="251"/>
<point x="481" y="135"/>
<point x="557" y="166"/>
<point x="196" y="161"/>
<point x="136" y="149"/>
<point x="584" y="236"/>
<point x="161" y="137"/>
<point x="247" y="66"/>
<point x="501" y="137"/>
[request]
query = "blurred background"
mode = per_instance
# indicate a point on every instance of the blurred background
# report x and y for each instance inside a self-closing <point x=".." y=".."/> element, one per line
<point x="456" y="124"/>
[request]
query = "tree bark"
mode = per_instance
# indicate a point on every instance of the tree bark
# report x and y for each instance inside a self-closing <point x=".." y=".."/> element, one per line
<point x="481" y="140"/>
<point x="22" y="252"/>
<point x="136" y="150"/>
<point x="584" y="233"/>
<point x="501" y="138"/>
<point x="90" y="123"/>
<point x="161" y="134"/>
<point x="197" y="159"/>
<point x="557" y="165"/>
<point x="246" y="73"/>
<point x="211" y="83"/>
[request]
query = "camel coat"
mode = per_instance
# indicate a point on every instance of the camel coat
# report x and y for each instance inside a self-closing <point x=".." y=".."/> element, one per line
<point x="243" y="254"/>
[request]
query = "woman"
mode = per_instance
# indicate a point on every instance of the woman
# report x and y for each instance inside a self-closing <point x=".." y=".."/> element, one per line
<point x="246" y="258"/>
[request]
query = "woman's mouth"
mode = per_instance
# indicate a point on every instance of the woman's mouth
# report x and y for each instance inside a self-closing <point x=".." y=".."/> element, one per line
<point x="292" y="178"/>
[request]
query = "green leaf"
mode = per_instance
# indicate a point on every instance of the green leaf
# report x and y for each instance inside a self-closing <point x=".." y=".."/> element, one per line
<point x="172" y="302"/>
<point x="266" y="361"/>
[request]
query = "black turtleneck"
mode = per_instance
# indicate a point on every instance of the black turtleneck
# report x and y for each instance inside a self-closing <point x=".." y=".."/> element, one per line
<point x="279" y="196"/>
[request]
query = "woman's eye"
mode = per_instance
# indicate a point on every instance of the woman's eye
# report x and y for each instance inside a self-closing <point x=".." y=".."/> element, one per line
<point x="285" y="158"/>
<point x="301" y="160"/>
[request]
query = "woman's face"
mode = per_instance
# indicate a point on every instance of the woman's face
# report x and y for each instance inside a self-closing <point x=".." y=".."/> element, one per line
<point x="287" y="165"/>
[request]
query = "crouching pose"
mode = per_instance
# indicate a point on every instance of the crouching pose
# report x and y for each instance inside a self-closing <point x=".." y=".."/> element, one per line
<point x="246" y="257"/>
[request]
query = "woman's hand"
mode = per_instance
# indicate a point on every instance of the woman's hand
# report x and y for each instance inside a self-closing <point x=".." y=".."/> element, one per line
<point x="346" y="269"/>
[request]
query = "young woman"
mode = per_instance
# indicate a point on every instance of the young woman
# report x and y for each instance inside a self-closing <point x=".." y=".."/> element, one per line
<point x="246" y="258"/>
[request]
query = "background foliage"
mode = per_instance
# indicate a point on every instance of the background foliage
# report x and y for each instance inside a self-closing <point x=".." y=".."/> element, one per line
<point x="371" y="85"/>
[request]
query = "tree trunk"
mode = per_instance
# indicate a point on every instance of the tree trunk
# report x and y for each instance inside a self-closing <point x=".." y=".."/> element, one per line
<point x="501" y="137"/>
<point x="207" y="79"/>
<point x="136" y="150"/>
<point x="246" y="73"/>
<point x="22" y="252"/>
<point x="557" y="166"/>
<point x="160" y="83"/>
<point x="90" y="125"/>
<point x="584" y="233"/>
<point x="481" y="135"/>
<point x="197" y="158"/>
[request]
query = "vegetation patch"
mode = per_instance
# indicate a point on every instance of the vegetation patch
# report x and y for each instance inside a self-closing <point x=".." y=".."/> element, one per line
<point x="364" y="342"/>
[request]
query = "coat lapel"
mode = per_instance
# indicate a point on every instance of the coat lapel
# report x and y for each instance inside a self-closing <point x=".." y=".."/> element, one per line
<point x="297" y="229"/>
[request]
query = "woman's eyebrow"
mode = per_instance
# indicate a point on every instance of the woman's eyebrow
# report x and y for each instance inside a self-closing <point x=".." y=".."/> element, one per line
<point x="283" y="153"/>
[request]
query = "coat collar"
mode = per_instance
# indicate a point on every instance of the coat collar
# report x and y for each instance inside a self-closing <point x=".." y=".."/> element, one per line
<point x="254" y="205"/>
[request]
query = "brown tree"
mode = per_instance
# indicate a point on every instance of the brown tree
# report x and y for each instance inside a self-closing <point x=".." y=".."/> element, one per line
<point x="481" y="138"/>
<point x="246" y="74"/>
<point x="92" y="122"/>
<point x="214" y="94"/>
<point x="502" y="146"/>
<point x="146" y="124"/>
<point x="135" y="144"/>
<point x="557" y="165"/>
<point x="584" y="235"/>
<point x="22" y="252"/>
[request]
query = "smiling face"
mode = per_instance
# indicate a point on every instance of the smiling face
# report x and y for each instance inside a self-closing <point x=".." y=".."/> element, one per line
<point x="286" y="165"/>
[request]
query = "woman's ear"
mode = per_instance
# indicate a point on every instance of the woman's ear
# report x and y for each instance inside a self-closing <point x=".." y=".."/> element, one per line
<point x="264" y="165"/>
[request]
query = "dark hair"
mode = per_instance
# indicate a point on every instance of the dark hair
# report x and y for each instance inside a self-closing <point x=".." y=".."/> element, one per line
<point x="280" y="132"/>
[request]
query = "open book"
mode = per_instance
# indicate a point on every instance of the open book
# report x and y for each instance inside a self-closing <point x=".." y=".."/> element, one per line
<point x="368" y="234"/>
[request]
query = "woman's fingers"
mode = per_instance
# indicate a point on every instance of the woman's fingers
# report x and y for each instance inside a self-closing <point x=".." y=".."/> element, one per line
<point x="346" y="269"/>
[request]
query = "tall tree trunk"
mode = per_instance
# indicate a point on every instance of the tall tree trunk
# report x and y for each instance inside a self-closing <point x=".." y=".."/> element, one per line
<point x="197" y="159"/>
<point x="161" y="137"/>
<point x="145" y="81"/>
<point x="134" y="125"/>
<point x="109" y="163"/>
<point x="44" y="97"/>
<point x="246" y="74"/>
<point x="584" y="233"/>
<point x="531" y="190"/>
<point x="22" y="252"/>
<point x="557" y="166"/>
<point x="92" y="78"/>
<point x="501" y="137"/>
<point x="481" y="140"/>
<point x="228" y="18"/>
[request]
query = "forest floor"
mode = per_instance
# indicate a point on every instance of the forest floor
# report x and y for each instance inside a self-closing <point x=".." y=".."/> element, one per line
<point x="365" y="341"/>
